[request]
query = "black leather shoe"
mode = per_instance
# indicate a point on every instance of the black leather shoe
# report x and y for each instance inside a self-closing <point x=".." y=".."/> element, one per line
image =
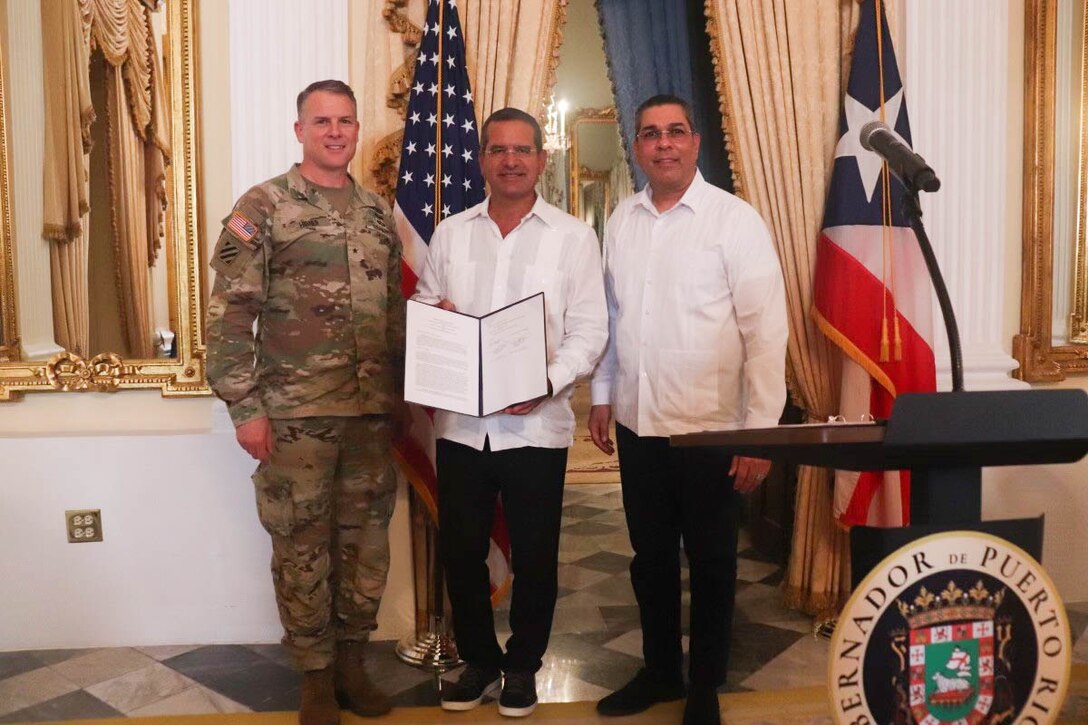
<point x="518" y="697"/>
<point x="702" y="707"/>
<point x="643" y="691"/>
<point x="471" y="688"/>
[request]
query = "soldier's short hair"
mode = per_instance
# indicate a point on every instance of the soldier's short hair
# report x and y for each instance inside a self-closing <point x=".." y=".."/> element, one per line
<point x="665" y="99"/>
<point x="329" y="86"/>
<point x="513" y="114"/>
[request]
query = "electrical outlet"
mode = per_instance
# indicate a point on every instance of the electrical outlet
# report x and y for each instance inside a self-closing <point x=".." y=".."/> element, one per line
<point x="84" y="526"/>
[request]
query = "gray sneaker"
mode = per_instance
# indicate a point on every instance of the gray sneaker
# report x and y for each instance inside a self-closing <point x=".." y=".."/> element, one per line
<point x="471" y="688"/>
<point x="518" y="697"/>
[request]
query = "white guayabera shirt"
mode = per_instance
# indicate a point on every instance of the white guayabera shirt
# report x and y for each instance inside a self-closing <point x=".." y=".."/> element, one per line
<point x="473" y="266"/>
<point x="697" y="316"/>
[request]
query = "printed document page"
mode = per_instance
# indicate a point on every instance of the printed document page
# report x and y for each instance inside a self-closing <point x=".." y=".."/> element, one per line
<point x="476" y="366"/>
<point x="442" y="359"/>
<point x="514" y="354"/>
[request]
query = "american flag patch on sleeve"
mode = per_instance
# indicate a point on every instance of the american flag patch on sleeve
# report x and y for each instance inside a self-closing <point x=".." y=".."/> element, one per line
<point x="241" y="227"/>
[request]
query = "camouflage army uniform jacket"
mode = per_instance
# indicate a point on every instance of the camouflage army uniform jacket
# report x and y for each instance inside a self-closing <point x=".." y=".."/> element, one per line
<point x="325" y="292"/>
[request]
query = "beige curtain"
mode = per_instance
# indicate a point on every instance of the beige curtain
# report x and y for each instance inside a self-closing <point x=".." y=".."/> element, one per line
<point x="782" y="73"/>
<point x="138" y="156"/>
<point x="68" y="118"/>
<point x="513" y="51"/>
<point x="130" y="214"/>
<point x="384" y="38"/>
<point x="513" y="48"/>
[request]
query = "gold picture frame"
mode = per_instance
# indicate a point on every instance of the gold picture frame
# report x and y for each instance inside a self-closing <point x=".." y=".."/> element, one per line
<point x="183" y="374"/>
<point x="582" y="117"/>
<point x="1040" y="359"/>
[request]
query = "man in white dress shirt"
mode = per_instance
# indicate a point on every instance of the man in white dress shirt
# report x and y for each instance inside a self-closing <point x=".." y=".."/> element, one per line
<point x="697" y="341"/>
<point x="510" y="246"/>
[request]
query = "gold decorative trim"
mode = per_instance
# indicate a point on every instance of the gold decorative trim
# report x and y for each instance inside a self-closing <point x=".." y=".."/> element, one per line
<point x="180" y="376"/>
<point x="725" y="104"/>
<point x="1039" y="360"/>
<point x="580" y="117"/>
<point x="9" y="329"/>
<point x="1078" y="321"/>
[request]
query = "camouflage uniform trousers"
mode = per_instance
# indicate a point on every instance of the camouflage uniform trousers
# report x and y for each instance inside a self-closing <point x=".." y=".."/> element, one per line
<point x="326" y="496"/>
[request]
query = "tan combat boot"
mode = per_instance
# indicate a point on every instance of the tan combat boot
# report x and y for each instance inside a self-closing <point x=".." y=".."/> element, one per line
<point x="354" y="689"/>
<point x="318" y="699"/>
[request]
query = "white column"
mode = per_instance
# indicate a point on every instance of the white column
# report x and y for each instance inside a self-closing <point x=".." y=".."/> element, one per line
<point x="277" y="48"/>
<point x="956" y="70"/>
<point x="26" y="145"/>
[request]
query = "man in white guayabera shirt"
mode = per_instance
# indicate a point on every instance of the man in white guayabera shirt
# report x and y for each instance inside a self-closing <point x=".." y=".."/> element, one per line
<point x="697" y="323"/>
<point x="510" y="246"/>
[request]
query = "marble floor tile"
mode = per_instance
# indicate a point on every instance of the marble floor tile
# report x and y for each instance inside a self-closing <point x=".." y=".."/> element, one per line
<point x="575" y="576"/>
<point x="166" y="651"/>
<point x="752" y="645"/>
<point x="616" y="590"/>
<point x="606" y="561"/>
<point x="574" y="620"/>
<point x="53" y="656"/>
<point x="101" y="665"/>
<point x="802" y="664"/>
<point x="242" y="675"/>
<point x="754" y="571"/>
<point x="275" y="652"/>
<point x="72" y="706"/>
<point x="140" y="688"/>
<point x="764" y="604"/>
<point x="16" y="663"/>
<point x="630" y="643"/>
<point x="32" y="688"/>
<point x="196" y="700"/>
<point x="588" y="528"/>
<point x="556" y="683"/>
<point x="1080" y="649"/>
<point x="582" y="511"/>
<point x="620" y="617"/>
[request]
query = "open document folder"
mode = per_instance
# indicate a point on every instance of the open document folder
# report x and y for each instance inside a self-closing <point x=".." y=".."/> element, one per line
<point x="476" y="365"/>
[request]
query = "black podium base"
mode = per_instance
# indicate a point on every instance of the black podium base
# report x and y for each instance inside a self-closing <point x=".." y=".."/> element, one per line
<point x="869" y="546"/>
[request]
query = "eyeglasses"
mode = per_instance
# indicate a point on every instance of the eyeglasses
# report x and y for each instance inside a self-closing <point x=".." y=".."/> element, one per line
<point x="520" y="152"/>
<point x="653" y="135"/>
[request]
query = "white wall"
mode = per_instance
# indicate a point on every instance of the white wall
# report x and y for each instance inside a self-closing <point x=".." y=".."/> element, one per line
<point x="964" y="81"/>
<point x="184" y="559"/>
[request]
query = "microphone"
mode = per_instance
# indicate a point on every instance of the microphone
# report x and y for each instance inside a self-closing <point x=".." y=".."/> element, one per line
<point x="911" y="168"/>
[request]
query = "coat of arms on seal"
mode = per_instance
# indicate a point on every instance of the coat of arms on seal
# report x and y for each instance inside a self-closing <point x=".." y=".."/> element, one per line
<point x="950" y="659"/>
<point x="958" y="628"/>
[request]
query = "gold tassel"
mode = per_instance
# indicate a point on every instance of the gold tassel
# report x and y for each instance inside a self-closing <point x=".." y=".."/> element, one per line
<point x="884" y="340"/>
<point x="898" y="342"/>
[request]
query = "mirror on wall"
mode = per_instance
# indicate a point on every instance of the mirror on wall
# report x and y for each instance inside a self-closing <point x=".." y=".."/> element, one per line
<point x="587" y="171"/>
<point x="100" y="273"/>
<point x="599" y="175"/>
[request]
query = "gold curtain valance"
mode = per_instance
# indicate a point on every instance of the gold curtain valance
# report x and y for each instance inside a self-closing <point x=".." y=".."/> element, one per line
<point x="122" y="31"/>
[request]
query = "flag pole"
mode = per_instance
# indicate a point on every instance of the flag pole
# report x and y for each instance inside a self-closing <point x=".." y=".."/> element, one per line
<point x="431" y="646"/>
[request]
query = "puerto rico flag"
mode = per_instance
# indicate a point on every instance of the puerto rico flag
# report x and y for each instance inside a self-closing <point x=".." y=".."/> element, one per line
<point x="872" y="293"/>
<point x="439" y="175"/>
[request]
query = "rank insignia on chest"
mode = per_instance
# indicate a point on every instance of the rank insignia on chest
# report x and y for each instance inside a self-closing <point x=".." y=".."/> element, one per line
<point x="241" y="227"/>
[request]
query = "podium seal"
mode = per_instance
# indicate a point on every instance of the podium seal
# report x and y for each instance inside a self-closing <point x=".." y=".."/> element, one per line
<point x="958" y="627"/>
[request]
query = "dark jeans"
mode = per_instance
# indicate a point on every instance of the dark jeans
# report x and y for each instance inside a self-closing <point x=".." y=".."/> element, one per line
<point x="669" y="495"/>
<point x="530" y="482"/>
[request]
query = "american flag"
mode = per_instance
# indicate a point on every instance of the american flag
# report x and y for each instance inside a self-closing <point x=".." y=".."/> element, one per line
<point x="439" y="175"/>
<point x="871" y="289"/>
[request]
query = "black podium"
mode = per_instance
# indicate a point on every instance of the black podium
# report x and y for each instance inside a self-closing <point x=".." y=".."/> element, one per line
<point x="944" y="440"/>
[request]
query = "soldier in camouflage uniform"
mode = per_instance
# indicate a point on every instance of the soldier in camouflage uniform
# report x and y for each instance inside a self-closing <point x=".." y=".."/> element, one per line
<point x="314" y="260"/>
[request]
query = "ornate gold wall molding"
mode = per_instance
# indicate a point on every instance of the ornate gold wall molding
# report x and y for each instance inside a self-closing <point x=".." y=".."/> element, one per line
<point x="183" y="374"/>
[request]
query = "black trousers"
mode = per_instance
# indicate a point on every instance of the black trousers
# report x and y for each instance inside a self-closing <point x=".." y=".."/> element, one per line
<point x="672" y="495"/>
<point x="530" y="482"/>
